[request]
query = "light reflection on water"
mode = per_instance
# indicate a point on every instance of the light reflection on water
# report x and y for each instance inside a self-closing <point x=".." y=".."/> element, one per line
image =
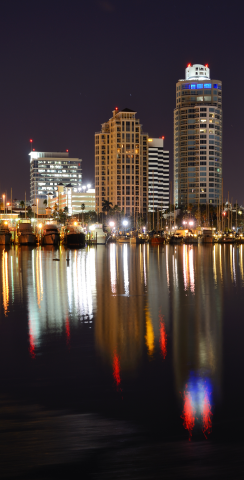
<point x="162" y="304"/>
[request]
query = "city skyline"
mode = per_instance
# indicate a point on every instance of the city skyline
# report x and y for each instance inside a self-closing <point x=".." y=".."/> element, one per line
<point x="57" y="89"/>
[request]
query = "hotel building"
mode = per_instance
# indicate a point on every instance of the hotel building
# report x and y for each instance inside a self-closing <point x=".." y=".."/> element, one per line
<point x="48" y="169"/>
<point x="121" y="163"/>
<point x="158" y="175"/>
<point x="198" y="138"/>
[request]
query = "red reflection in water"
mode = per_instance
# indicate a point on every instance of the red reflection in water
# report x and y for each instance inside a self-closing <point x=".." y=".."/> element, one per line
<point x="32" y="346"/>
<point x="67" y="328"/>
<point x="32" y="342"/>
<point x="116" y="369"/>
<point x="206" y="416"/>
<point x="163" y="336"/>
<point x="188" y="414"/>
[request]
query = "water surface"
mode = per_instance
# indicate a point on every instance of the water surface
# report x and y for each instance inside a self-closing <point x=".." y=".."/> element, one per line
<point x="121" y="345"/>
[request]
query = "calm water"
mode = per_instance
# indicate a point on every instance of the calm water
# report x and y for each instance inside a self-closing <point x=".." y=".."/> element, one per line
<point x="112" y="355"/>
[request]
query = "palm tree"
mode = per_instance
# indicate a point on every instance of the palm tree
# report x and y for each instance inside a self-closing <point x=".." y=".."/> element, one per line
<point x="22" y="203"/>
<point x="106" y="206"/>
<point x="45" y="202"/>
<point x="83" y="208"/>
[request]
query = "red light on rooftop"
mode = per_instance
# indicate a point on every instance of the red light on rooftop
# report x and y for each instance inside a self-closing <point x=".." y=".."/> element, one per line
<point x="33" y="149"/>
<point x="189" y="65"/>
<point x="206" y="65"/>
<point x="67" y="150"/>
<point x="163" y="138"/>
<point x="31" y="141"/>
<point x="116" y="108"/>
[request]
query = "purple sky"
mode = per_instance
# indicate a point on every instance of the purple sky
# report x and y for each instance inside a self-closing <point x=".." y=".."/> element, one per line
<point x="65" y="65"/>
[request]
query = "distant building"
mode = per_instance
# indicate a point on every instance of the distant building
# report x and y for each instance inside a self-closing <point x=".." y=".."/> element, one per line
<point x="48" y="169"/>
<point x="121" y="163"/>
<point x="158" y="175"/>
<point x="69" y="197"/>
<point x="198" y="138"/>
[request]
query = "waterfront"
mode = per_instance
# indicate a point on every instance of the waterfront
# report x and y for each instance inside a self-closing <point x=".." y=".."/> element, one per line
<point x="114" y="348"/>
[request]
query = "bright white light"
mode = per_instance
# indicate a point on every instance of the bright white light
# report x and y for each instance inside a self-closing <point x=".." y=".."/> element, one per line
<point x="88" y="185"/>
<point x="191" y="223"/>
<point x="111" y="224"/>
<point x="184" y="223"/>
<point x="125" y="223"/>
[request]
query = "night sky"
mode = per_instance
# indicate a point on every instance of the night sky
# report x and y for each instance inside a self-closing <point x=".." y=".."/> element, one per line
<point x="65" y="65"/>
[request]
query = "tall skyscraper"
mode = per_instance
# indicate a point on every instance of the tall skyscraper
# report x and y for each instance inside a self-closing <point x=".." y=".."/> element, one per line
<point x="158" y="175"/>
<point x="48" y="169"/>
<point x="121" y="163"/>
<point x="198" y="138"/>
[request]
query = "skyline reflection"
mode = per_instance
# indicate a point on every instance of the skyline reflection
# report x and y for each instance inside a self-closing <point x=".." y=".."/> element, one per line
<point x="163" y="305"/>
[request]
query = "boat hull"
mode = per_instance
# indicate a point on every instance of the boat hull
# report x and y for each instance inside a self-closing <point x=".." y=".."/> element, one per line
<point x="51" y="239"/>
<point x="75" y="240"/>
<point x="27" y="239"/>
<point x="5" y="239"/>
<point x="157" y="240"/>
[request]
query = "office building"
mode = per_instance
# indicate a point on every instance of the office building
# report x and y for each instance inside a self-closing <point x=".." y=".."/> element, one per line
<point x="48" y="169"/>
<point x="121" y="163"/>
<point x="198" y="138"/>
<point x="67" y="196"/>
<point x="158" y="175"/>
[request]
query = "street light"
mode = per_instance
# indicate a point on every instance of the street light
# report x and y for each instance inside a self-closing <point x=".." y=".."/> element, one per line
<point x="88" y="185"/>
<point x="111" y="224"/>
<point x="125" y="222"/>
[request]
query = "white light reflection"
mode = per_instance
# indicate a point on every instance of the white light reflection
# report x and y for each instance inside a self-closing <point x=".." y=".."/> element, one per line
<point x="58" y="291"/>
<point x="167" y="264"/>
<point x="191" y="269"/>
<point x="5" y="282"/>
<point x="113" y="267"/>
<point x="185" y="273"/>
<point x="234" y="263"/>
<point x="125" y="265"/>
<point x="175" y="270"/>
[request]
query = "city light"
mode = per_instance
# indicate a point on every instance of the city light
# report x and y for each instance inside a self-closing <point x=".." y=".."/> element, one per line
<point x="40" y="225"/>
<point x="125" y="222"/>
<point x="191" y="223"/>
<point x="88" y="185"/>
<point x="111" y="224"/>
<point x="75" y="223"/>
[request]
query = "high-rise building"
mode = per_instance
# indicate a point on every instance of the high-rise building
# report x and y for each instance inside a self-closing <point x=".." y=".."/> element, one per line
<point x="121" y="163"/>
<point x="198" y="138"/>
<point x="48" y="169"/>
<point x="158" y="175"/>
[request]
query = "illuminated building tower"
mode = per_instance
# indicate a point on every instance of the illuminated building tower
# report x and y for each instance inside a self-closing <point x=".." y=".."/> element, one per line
<point x="121" y="163"/>
<point x="198" y="138"/>
<point x="158" y="175"/>
<point x="48" y="169"/>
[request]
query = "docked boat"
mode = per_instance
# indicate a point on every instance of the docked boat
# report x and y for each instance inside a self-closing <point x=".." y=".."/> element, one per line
<point x="25" y="234"/>
<point x="190" y="239"/>
<point x="207" y="236"/>
<point x="176" y="239"/>
<point x="227" y="239"/>
<point x="73" y="236"/>
<point x="123" y="239"/>
<point x="50" y="235"/>
<point x="157" y="240"/>
<point x="5" y="234"/>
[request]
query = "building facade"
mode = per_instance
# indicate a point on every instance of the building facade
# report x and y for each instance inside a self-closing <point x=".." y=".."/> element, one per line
<point x="121" y="163"/>
<point x="69" y="197"/>
<point x="158" y="175"/>
<point x="48" y="169"/>
<point x="198" y="138"/>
